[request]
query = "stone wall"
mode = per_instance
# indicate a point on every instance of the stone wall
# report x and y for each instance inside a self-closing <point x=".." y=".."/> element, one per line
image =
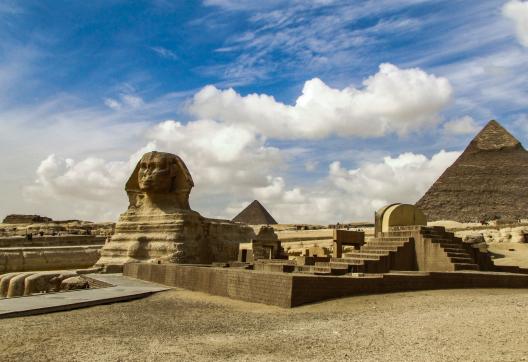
<point x="224" y="238"/>
<point x="291" y="289"/>
<point x="47" y="241"/>
<point x="250" y="286"/>
<point x="52" y="258"/>
<point x="49" y="252"/>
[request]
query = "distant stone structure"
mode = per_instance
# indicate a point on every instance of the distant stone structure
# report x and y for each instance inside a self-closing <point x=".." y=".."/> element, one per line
<point x="342" y="238"/>
<point x="405" y="255"/>
<point x="266" y="245"/>
<point x="488" y="181"/>
<point x="255" y="214"/>
<point x="39" y="243"/>
<point x="25" y="219"/>
<point x="397" y="215"/>
<point x="159" y="225"/>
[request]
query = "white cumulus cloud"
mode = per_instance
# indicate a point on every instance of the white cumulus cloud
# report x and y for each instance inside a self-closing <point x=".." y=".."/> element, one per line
<point x="226" y="162"/>
<point x="353" y="194"/>
<point x="393" y="100"/>
<point x="461" y="126"/>
<point x="518" y="12"/>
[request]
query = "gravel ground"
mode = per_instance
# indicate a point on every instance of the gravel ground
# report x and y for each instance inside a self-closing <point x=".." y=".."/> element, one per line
<point x="178" y="325"/>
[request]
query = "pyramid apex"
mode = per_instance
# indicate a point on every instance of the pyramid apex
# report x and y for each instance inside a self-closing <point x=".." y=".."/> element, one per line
<point x="493" y="137"/>
<point x="255" y="213"/>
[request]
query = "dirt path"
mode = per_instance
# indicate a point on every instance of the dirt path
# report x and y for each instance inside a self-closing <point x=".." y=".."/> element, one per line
<point x="469" y="325"/>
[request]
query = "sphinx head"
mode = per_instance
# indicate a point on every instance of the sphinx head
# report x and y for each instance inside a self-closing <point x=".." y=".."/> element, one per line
<point x="160" y="179"/>
<point x="157" y="172"/>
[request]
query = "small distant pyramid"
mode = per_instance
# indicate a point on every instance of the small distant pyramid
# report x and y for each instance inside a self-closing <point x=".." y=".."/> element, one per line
<point x="488" y="181"/>
<point x="255" y="214"/>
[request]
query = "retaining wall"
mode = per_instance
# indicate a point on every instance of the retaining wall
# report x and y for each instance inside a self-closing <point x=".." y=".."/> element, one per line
<point x="292" y="289"/>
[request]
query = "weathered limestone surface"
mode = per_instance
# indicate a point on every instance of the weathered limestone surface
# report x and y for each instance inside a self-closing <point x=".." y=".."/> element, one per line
<point x="28" y="283"/>
<point x="48" y="258"/>
<point x="398" y="215"/>
<point x="56" y="228"/>
<point x="488" y="181"/>
<point x="159" y="225"/>
<point x="75" y="282"/>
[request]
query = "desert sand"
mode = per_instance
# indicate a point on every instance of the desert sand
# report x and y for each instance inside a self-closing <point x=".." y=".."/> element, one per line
<point x="450" y="325"/>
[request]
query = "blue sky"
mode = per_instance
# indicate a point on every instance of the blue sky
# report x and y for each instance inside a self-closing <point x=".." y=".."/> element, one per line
<point x="324" y="110"/>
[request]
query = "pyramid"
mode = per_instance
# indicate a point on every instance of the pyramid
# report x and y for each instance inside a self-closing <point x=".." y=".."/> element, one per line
<point x="488" y="181"/>
<point x="255" y="214"/>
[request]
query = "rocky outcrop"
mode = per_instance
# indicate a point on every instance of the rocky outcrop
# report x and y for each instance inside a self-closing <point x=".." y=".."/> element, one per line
<point x="25" y="219"/>
<point x="488" y="181"/>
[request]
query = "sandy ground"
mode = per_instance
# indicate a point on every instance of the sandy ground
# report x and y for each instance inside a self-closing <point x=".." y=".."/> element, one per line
<point x="512" y="253"/>
<point x="469" y="325"/>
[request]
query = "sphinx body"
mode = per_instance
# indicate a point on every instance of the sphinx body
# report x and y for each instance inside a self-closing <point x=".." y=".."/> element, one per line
<point x="159" y="225"/>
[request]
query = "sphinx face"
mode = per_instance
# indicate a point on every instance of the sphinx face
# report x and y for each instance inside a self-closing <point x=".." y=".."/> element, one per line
<point x="155" y="173"/>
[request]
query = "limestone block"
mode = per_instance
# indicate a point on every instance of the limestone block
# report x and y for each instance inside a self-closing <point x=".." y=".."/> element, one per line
<point x="398" y="215"/>
<point x="48" y="258"/>
<point x="4" y="283"/>
<point x="73" y="283"/>
<point x="17" y="285"/>
<point x="39" y="283"/>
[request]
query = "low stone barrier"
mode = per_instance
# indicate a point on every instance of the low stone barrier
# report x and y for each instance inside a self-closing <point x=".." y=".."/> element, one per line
<point x="292" y="289"/>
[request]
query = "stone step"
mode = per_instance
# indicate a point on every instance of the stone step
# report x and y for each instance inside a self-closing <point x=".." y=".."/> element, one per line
<point x="466" y="266"/>
<point x="324" y="269"/>
<point x="378" y="251"/>
<point x="451" y="246"/>
<point x="441" y="240"/>
<point x="408" y="227"/>
<point x="436" y="236"/>
<point x="304" y="268"/>
<point x="458" y="255"/>
<point x="338" y="264"/>
<point x="392" y="238"/>
<point x="375" y="257"/>
<point x="348" y="261"/>
<point x="398" y="234"/>
<point x="386" y="243"/>
<point x="374" y="248"/>
<point x="454" y="250"/>
<point x="459" y="260"/>
<point x="361" y="254"/>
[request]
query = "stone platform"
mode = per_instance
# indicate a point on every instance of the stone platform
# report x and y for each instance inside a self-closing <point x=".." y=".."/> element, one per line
<point x="121" y="289"/>
<point x="293" y="289"/>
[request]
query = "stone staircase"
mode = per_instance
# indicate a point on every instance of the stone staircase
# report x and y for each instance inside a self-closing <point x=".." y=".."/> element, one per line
<point x="396" y="250"/>
<point x="453" y="247"/>
<point x="376" y="256"/>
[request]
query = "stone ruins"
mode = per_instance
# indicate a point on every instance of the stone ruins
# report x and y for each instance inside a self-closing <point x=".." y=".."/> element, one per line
<point x="32" y="242"/>
<point x="160" y="239"/>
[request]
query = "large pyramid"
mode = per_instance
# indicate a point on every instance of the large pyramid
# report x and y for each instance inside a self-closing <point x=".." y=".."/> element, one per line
<point x="488" y="181"/>
<point x="255" y="214"/>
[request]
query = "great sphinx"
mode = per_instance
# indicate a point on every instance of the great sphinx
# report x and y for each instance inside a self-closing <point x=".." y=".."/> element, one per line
<point x="159" y="225"/>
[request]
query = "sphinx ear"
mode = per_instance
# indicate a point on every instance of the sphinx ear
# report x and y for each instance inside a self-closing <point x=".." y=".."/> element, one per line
<point x="133" y="182"/>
